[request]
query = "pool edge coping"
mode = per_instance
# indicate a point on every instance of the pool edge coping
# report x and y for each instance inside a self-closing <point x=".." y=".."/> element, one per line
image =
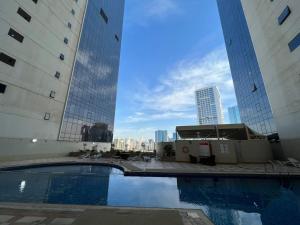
<point x="153" y="173"/>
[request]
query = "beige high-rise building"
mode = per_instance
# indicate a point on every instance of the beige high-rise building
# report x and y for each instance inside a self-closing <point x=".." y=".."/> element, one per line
<point x="59" y="64"/>
<point x="275" y="31"/>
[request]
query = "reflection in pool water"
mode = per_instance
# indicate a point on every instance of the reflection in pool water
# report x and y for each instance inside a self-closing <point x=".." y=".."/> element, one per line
<point x="227" y="201"/>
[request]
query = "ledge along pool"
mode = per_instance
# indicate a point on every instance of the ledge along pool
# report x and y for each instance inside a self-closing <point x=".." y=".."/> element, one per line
<point x="226" y="201"/>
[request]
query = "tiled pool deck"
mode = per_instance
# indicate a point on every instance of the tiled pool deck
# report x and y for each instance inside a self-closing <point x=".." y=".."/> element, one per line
<point x="159" y="168"/>
<point x="25" y="214"/>
<point x="13" y="214"/>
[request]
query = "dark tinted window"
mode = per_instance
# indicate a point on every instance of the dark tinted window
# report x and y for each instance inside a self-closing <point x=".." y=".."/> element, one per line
<point x="24" y="14"/>
<point x="295" y="42"/>
<point x="2" y="88"/>
<point x="66" y="41"/>
<point x="15" y="35"/>
<point x="104" y="16"/>
<point x="47" y="116"/>
<point x="52" y="94"/>
<point x="7" y="59"/>
<point x="57" y="75"/>
<point x="284" y="15"/>
<point x="117" y="38"/>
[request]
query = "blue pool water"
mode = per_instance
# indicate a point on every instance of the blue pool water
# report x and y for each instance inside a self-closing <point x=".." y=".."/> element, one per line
<point x="226" y="201"/>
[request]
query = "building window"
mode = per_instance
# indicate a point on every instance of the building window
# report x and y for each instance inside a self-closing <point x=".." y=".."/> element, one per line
<point x="66" y="41"/>
<point x="2" y="88"/>
<point x="57" y="75"/>
<point x="104" y="16"/>
<point x="295" y="42"/>
<point x="254" y="88"/>
<point x="73" y="12"/>
<point x="7" y="59"/>
<point x="47" y="116"/>
<point x="62" y="57"/>
<point x="284" y="15"/>
<point x="35" y="1"/>
<point x="117" y="38"/>
<point x="24" y="14"/>
<point x="15" y="35"/>
<point x="69" y="25"/>
<point x="52" y="94"/>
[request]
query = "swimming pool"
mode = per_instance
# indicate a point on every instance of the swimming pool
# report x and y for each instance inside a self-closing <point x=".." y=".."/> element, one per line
<point x="227" y="201"/>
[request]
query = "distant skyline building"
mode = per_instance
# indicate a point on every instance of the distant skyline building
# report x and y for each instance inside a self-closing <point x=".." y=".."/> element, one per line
<point x="209" y="106"/>
<point x="253" y="103"/>
<point x="161" y="136"/>
<point x="174" y="136"/>
<point x="234" y="114"/>
<point x="274" y="28"/>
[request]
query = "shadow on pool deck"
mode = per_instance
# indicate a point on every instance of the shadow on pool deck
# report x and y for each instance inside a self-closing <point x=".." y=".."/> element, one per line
<point x="91" y="215"/>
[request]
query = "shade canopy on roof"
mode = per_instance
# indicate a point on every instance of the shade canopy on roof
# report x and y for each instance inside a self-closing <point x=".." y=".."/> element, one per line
<point x="220" y="131"/>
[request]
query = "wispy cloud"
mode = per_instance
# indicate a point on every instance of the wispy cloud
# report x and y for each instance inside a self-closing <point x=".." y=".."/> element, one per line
<point x="145" y="117"/>
<point x="174" y="96"/>
<point x="141" y="12"/>
<point x="161" y="8"/>
<point x="171" y="100"/>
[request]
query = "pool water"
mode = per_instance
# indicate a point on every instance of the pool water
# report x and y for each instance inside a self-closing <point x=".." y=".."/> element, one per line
<point x="226" y="201"/>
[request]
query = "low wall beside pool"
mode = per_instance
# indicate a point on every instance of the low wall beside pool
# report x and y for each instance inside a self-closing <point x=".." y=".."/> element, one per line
<point x="21" y="149"/>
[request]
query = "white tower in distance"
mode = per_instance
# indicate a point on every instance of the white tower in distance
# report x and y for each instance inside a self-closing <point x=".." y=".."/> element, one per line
<point x="209" y="106"/>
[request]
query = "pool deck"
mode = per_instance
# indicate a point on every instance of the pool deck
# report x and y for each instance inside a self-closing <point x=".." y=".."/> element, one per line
<point x="159" y="168"/>
<point x="44" y="214"/>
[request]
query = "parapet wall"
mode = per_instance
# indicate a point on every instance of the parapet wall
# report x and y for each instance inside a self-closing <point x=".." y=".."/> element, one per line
<point x="22" y="149"/>
<point x="227" y="151"/>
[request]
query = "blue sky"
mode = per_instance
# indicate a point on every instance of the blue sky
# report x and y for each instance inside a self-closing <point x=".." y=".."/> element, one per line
<point x="169" y="49"/>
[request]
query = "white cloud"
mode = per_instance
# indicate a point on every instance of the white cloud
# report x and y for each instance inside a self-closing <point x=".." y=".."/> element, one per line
<point x="161" y="8"/>
<point x="172" y="100"/>
<point x="141" y="12"/>
<point x="87" y="59"/>
<point x="158" y="116"/>
<point x="173" y="96"/>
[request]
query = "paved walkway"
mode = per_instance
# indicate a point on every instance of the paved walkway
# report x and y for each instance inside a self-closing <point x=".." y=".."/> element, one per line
<point x="175" y="168"/>
<point x="30" y="214"/>
<point x="271" y="169"/>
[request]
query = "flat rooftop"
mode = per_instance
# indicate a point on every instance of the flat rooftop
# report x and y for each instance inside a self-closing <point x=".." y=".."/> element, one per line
<point x="219" y="131"/>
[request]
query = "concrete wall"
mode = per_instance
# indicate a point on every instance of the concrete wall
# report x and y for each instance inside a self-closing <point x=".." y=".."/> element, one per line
<point x="160" y="147"/>
<point x="255" y="151"/>
<point x="225" y="151"/>
<point x="280" y="67"/>
<point x="248" y="151"/>
<point x="20" y="149"/>
<point x="184" y="148"/>
<point x="30" y="81"/>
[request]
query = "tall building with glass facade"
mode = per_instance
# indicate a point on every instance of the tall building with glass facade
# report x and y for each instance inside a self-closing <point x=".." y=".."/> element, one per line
<point x="209" y="106"/>
<point x="161" y="136"/>
<point x="253" y="103"/>
<point x="59" y="65"/>
<point x="234" y="114"/>
<point x="90" y="107"/>
<point x="275" y="31"/>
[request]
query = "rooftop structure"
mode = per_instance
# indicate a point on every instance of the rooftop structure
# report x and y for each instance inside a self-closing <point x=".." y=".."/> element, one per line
<point x="223" y="131"/>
